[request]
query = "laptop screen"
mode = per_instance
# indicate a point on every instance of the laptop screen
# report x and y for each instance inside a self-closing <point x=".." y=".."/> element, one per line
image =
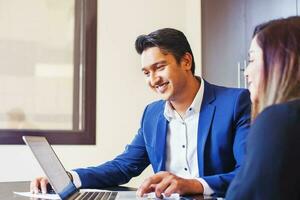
<point x="51" y="165"/>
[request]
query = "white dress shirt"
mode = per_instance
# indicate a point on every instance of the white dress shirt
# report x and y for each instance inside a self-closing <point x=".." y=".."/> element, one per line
<point x="182" y="159"/>
<point x="76" y="179"/>
<point x="181" y="151"/>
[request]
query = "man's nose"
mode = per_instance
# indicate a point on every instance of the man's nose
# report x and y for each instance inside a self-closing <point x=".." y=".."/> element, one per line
<point x="154" y="79"/>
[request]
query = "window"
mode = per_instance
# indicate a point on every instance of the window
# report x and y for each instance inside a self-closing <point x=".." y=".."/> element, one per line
<point x="48" y="70"/>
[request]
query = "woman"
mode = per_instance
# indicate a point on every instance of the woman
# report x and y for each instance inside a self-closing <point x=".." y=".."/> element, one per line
<point x="271" y="169"/>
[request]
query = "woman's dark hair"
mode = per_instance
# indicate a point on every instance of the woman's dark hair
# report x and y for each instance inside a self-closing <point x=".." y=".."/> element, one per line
<point x="168" y="40"/>
<point x="280" y="43"/>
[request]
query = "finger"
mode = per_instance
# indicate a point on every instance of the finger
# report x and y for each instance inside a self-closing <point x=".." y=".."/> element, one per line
<point x="148" y="185"/>
<point x="43" y="183"/>
<point x="162" y="186"/>
<point x="171" y="189"/>
<point x="153" y="186"/>
<point x="143" y="189"/>
<point x="34" y="185"/>
<point x="142" y="192"/>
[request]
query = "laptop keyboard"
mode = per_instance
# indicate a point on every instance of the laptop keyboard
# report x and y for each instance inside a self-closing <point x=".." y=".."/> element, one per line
<point x="98" y="196"/>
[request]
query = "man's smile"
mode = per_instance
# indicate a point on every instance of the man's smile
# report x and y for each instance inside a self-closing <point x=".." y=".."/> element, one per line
<point x="161" y="88"/>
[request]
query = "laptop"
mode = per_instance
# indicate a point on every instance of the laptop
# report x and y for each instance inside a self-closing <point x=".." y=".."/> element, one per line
<point x="59" y="179"/>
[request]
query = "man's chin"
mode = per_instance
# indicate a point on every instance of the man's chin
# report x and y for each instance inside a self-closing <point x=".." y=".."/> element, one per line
<point x="164" y="97"/>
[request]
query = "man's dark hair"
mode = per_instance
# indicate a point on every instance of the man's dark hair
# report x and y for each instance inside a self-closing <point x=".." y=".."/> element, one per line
<point x="167" y="39"/>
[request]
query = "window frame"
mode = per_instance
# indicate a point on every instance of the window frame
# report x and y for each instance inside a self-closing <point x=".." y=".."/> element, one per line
<point x="85" y="53"/>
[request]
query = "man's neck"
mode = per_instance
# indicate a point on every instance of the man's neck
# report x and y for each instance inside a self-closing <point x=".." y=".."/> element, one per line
<point x="181" y="105"/>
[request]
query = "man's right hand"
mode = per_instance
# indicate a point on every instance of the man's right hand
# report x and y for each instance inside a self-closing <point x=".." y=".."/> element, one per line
<point x="39" y="185"/>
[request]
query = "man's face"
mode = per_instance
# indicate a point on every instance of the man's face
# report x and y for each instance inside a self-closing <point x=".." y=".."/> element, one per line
<point x="163" y="74"/>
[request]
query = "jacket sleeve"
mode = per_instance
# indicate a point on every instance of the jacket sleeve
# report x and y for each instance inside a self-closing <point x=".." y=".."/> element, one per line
<point x="120" y="170"/>
<point x="241" y="123"/>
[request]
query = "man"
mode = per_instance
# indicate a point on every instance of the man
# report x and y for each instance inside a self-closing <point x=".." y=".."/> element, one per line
<point x="194" y="138"/>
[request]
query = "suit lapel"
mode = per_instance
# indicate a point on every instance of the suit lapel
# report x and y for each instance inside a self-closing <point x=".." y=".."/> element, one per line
<point x="206" y="116"/>
<point x="160" y="143"/>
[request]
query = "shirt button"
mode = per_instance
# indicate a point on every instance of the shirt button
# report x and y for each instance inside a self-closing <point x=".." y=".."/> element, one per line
<point x="183" y="146"/>
<point x="185" y="169"/>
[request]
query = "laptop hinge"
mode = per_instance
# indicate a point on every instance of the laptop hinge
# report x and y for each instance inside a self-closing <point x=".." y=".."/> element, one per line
<point x="74" y="196"/>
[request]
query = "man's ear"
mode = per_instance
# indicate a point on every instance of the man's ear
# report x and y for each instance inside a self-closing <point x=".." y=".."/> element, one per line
<point x="186" y="61"/>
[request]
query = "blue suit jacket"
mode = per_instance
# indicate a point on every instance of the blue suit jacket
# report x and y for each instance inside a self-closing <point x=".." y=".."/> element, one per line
<point x="222" y="130"/>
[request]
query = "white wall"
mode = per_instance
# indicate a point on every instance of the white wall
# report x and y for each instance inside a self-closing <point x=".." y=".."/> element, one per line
<point x="193" y="30"/>
<point x="121" y="90"/>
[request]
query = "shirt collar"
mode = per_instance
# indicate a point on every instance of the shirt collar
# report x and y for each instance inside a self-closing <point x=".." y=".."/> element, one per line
<point x="194" y="108"/>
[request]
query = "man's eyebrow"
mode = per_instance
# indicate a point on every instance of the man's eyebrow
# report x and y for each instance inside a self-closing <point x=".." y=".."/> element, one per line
<point x="154" y="64"/>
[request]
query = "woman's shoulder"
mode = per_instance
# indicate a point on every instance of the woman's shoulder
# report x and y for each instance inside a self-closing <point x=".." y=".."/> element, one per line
<point x="281" y="112"/>
<point x="279" y="118"/>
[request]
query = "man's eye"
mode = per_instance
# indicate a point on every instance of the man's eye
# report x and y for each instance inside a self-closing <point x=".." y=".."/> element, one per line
<point x="146" y="73"/>
<point x="161" y="67"/>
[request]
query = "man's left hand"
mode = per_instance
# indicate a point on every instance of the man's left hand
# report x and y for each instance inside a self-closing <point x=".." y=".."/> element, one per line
<point x="168" y="183"/>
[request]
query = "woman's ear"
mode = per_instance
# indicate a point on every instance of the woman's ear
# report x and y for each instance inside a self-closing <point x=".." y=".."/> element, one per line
<point x="186" y="61"/>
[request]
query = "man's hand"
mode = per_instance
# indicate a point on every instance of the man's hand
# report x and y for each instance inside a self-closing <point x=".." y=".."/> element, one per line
<point x="168" y="183"/>
<point x="38" y="184"/>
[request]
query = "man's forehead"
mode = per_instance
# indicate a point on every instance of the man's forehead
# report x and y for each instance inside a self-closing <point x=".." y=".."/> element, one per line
<point x="152" y="56"/>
